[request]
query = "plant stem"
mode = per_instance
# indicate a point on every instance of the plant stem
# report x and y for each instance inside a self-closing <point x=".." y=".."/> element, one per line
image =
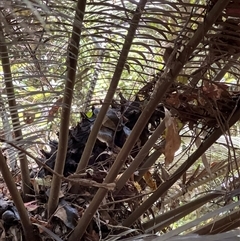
<point x="26" y="184"/>
<point x="73" y="51"/>
<point x="7" y="176"/>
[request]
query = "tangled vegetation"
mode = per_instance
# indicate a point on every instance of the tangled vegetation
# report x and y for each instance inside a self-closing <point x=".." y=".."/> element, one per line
<point x="119" y="120"/>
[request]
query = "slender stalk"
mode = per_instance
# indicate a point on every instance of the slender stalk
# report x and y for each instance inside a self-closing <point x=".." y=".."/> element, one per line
<point x="178" y="173"/>
<point x="140" y="156"/>
<point x="73" y="51"/>
<point x="7" y="176"/>
<point x="26" y="184"/>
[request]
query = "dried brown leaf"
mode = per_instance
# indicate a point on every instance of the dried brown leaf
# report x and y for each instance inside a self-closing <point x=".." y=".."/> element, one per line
<point x="173" y="141"/>
<point x="150" y="180"/>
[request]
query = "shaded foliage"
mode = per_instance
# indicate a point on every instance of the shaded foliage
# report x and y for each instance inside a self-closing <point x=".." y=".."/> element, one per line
<point x="169" y="72"/>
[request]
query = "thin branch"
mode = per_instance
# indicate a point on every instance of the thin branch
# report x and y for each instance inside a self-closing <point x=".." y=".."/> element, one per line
<point x="73" y="51"/>
<point x="26" y="184"/>
<point x="7" y="176"/>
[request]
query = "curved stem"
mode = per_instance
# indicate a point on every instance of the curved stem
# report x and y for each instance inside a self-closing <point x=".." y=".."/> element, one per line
<point x="26" y="184"/>
<point x="7" y="176"/>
